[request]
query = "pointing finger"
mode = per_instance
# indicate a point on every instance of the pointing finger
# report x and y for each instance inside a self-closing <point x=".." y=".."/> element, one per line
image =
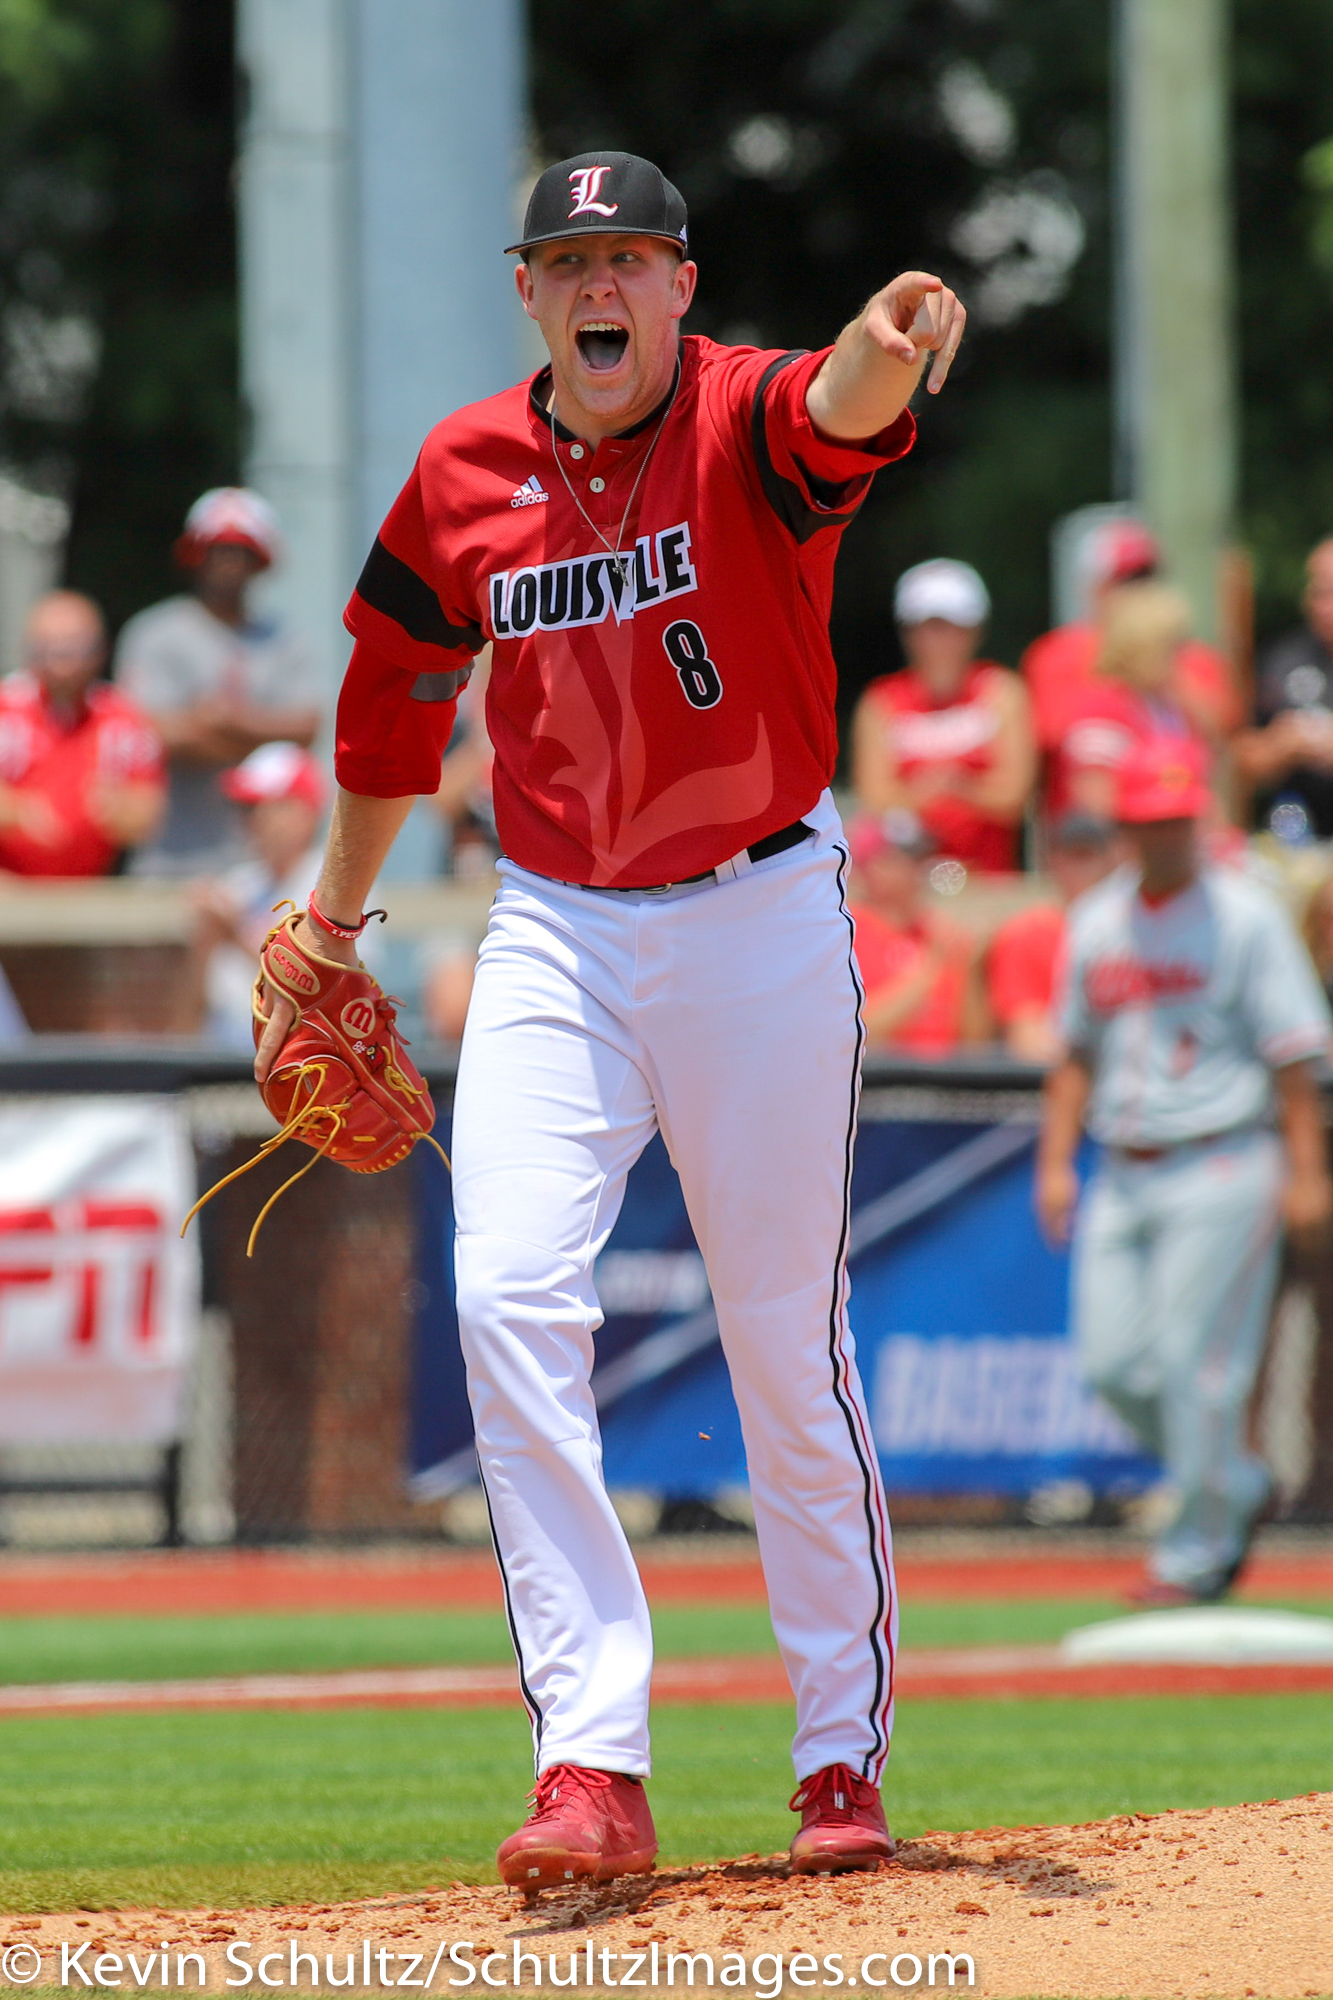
<point x="956" y="323"/>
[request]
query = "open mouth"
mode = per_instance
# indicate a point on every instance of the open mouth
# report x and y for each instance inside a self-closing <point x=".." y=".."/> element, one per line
<point x="601" y="344"/>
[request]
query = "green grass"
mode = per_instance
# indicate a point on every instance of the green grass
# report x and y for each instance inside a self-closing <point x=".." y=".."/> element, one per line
<point x="58" y="1649"/>
<point x="226" y="1808"/>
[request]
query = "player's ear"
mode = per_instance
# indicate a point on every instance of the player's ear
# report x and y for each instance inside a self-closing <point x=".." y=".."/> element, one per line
<point x="523" y="280"/>
<point x="682" y="287"/>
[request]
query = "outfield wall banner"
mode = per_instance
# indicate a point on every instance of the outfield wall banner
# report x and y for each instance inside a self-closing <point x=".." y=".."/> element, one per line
<point x="958" y="1306"/>
<point x="98" y="1294"/>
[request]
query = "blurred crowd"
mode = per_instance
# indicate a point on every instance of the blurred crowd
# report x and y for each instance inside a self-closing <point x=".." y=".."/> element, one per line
<point x="983" y="795"/>
<point x="986" y="799"/>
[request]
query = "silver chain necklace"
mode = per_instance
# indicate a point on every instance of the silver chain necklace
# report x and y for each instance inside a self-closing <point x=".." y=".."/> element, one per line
<point x="613" y="549"/>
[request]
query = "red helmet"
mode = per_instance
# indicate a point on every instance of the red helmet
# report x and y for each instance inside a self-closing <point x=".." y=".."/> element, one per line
<point x="275" y="771"/>
<point x="1124" y="551"/>
<point x="232" y="515"/>
<point x="1164" y="777"/>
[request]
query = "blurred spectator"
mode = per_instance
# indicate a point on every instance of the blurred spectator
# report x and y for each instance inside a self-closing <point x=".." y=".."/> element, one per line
<point x="14" y="1027"/>
<point x="449" y="963"/>
<point x="919" y="968"/>
<point x="81" y="774"/>
<point x="950" y="737"/>
<point x="1061" y="666"/>
<point x="1025" y="951"/>
<point x="217" y="682"/>
<point x="1317" y="930"/>
<point x="280" y="791"/>
<point x="1131" y="697"/>
<point x="464" y="798"/>
<point x="1288" y="757"/>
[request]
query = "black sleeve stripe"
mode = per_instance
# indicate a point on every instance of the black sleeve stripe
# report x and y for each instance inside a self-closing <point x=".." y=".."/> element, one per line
<point x="440" y="687"/>
<point x="387" y="584"/>
<point x="784" y="496"/>
<point x="830" y="493"/>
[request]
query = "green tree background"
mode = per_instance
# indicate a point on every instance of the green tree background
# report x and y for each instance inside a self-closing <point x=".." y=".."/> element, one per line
<point x="822" y="144"/>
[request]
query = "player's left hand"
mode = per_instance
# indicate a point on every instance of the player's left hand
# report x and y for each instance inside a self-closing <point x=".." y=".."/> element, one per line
<point x="1307" y="1208"/>
<point x="918" y="314"/>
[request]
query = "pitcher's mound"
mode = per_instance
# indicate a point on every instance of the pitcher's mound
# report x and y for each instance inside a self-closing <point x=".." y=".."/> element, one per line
<point x="1231" y="1902"/>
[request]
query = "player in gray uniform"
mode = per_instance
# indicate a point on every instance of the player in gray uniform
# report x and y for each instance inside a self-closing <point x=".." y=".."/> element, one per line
<point x="1190" y="1014"/>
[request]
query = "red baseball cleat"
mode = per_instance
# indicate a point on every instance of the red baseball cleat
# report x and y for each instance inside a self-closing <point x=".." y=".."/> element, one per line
<point x="583" y="1823"/>
<point x="1150" y="1593"/>
<point x="842" y="1823"/>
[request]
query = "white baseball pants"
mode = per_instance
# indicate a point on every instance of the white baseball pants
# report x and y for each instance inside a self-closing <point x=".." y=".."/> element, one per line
<point x="1174" y="1269"/>
<point x="725" y="1015"/>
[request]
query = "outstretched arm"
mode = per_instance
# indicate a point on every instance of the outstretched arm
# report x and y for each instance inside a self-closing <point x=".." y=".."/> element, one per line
<point x="868" y="379"/>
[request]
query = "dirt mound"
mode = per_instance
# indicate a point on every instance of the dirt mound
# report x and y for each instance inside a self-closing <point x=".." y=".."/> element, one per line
<point x="1236" y="1901"/>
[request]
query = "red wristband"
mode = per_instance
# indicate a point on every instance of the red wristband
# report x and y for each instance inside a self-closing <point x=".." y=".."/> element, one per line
<point x="348" y="934"/>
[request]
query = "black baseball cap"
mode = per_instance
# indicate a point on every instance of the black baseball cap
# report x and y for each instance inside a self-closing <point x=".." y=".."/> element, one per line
<point x="600" y="194"/>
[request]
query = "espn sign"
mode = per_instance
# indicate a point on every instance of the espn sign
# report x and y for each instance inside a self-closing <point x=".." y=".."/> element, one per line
<point x="98" y="1297"/>
<point x="81" y="1274"/>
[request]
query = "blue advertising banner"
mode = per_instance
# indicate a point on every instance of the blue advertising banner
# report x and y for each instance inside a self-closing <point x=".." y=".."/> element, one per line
<point x="958" y="1306"/>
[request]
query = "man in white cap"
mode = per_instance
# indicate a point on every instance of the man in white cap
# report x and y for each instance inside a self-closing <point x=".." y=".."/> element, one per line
<point x="950" y="737"/>
<point x="216" y="680"/>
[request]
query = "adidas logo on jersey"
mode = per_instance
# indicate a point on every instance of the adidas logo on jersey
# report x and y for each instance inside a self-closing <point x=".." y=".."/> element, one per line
<point x="529" y="493"/>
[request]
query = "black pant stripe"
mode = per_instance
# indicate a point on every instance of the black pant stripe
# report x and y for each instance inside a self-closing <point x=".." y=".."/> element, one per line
<point x="879" y="1740"/>
<point x="529" y="1698"/>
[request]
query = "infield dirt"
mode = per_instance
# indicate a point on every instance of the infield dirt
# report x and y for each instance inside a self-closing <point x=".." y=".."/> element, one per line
<point x="1236" y="1901"/>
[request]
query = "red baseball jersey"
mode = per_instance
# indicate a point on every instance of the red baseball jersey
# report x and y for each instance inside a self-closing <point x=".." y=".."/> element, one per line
<point x="1103" y="722"/>
<point x="112" y="742"/>
<point x="1060" y="669"/>
<point x="646" y="727"/>
<point x="959" y="735"/>
<point x="1021" y="967"/>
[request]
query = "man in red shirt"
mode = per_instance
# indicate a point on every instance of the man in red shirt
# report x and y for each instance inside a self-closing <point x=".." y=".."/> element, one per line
<point x="646" y="533"/>
<point x="918" y="967"/>
<point x="81" y="769"/>
<point x="1024" y="956"/>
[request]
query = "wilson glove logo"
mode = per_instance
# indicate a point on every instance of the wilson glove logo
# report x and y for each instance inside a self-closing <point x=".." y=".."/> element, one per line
<point x="291" y="971"/>
<point x="358" y="1017"/>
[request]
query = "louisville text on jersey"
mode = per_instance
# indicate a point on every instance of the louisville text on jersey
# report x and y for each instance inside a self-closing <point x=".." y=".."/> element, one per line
<point x="587" y="589"/>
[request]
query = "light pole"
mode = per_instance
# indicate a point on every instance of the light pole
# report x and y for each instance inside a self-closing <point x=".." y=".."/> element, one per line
<point x="1175" y="365"/>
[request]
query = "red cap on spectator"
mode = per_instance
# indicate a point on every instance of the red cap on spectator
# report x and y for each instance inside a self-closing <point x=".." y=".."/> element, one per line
<point x="230" y="514"/>
<point x="1163" y="778"/>
<point x="871" y="834"/>
<point x="275" y="771"/>
<point x="1124" y="551"/>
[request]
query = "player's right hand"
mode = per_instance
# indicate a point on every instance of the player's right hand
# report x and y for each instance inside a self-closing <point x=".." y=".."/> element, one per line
<point x="916" y="315"/>
<point x="1057" y="1198"/>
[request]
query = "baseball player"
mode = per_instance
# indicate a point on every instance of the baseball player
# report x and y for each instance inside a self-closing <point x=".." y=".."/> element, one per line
<point x="645" y="533"/>
<point x="1191" y="1015"/>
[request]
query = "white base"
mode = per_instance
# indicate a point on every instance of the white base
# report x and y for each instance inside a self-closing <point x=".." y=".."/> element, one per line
<point x="1204" y="1633"/>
